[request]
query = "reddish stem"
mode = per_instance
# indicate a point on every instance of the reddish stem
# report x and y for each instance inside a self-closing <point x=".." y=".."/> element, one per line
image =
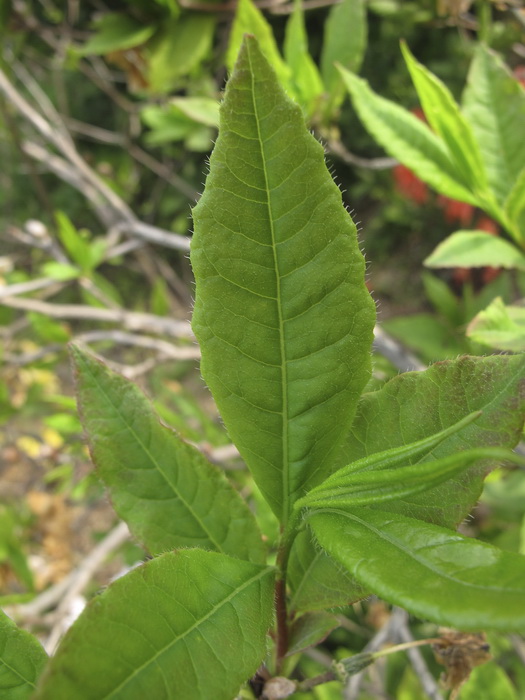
<point x="282" y="622"/>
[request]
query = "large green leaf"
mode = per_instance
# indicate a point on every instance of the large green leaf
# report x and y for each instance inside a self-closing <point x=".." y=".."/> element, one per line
<point x="22" y="659"/>
<point x="499" y="326"/>
<point x="415" y="405"/>
<point x="494" y="104"/>
<point x="282" y="314"/>
<point x="445" y="118"/>
<point x="167" y="492"/>
<point x="188" y="624"/>
<point x="250" y="20"/>
<point x="305" y="78"/>
<point x="344" y="42"/>
<point x="488" y="682"/>
<point x="432" y="572"/>
<point x="476" y="249"/>
<point x="406" y="138"/>
<point x="316" y="580"/>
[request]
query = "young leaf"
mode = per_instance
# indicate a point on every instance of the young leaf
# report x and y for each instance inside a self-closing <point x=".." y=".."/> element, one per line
<point x="515" y="208"/>
<point x="406" y="138"/>
<point x="476" y="249"/>
<point x="22" y="659"/>
<point x="305" y="77"/>
<point x="418" y="404"/>
<point x="188" y="624"/>
<point x="317" y="581"/>
<point x="167" y="492"/>
<point x="445" y="118"/>
<point x="282" y="314"/>
<point x="377" y="487"/>
<point x="499" y="326"/>
<point x="344" y="42"/>
<point x="178" y="49"/>
<point x="117" y="31"/>
<point x="453" y="580"/>
<point x="250" y="20"/>
<point x="494" y="105"/>
<point x="310" y="629"/>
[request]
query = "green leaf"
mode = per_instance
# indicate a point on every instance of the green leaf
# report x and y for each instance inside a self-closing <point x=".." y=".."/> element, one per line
<point x="378" y="487"/>
<point x="406" y="138"/>
<point x="488" y="682"/>
<point x="476" y="249"/>
<point x="344" y="42"/>
<point x="167" y="492"/>
<point x="179" y="49"/>
<point x="494" y="105"/>
<point x="22" y="659"/>
<point x="250" y="20"/>
<point x="515" y="207"/>
<point x="430" y="337"/>
<point x="201" y="110"/>
<point x="310" y="629"/>
<point x="305" y="78"/>
<point x="316" y="580"/>
<point x="117" y="32"/>
<point x="188" y="624"/>
<point x="415" y="405"/>
<point x="442" y="298"/>
<point x="499" y="326"/>
<point x="444" y="116"/>
<point x="447" y="578"/>
<point x="62" y="272"/>
<point x="282" y="314"/>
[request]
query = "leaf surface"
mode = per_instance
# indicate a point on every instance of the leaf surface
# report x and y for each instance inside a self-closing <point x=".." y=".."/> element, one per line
<point x="344" y="42"/>
<point x="515" y="208"/>
<point x="188" y="624"/>
<point x="310" y="629"/>
<point x="445" y="118"/>
<point x="446" y="578"/>
<point x="282" y="314"/>
<point x="316" y="580"/>
<point x="406" y="138"/>
<point x="494" y="105"/>
<point x="22" y="659"/>
<point x="476" y="249"/>
<point x="416" y="405"/>
<point x="250" y="20"/>
<point x="165" y="489"/>
<point x="305" y="77"/>
<point x="499" y="326"/>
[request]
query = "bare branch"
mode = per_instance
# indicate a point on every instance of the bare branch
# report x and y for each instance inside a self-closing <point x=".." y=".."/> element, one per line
<point x="338" y="149"/>
<point x="399" y="356"/>
<point x="129" y="319"/>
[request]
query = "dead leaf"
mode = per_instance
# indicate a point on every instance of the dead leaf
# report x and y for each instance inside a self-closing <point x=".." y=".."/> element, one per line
<point x="459" y="653"/>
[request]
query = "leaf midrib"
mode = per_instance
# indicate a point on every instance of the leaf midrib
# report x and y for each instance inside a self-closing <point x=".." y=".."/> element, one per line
<point x="282" y="346"/>
<point x="391" y="539"/>
<point x="155" y="463"/>
<point x="195" y="625"/>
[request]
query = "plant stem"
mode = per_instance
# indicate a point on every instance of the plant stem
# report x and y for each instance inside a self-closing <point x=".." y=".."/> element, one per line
<point x="282" y="622"/>
<point x="484" y="13"/>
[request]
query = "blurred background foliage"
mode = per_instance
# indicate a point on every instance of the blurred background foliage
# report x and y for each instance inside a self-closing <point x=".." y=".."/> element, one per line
<point x="108" y="113"/>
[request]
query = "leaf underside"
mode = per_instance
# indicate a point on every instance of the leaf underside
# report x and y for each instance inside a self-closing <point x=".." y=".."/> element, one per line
<point x="432" y="572"/>
<point x="282" y="314"/>
<point x="165" y="489"/>
<point x="188" y="624"/>
<point x="416" y="405"/>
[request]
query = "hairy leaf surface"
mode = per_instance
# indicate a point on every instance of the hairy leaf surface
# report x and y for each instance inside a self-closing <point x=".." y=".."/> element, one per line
<point x="165" y="489"/>
<point x="188" y="624"/>
<point x="415" y="405"/>
<point x="451" y="579"/>
<point x="22" y="659"/>
<point x="282" y="314"/>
